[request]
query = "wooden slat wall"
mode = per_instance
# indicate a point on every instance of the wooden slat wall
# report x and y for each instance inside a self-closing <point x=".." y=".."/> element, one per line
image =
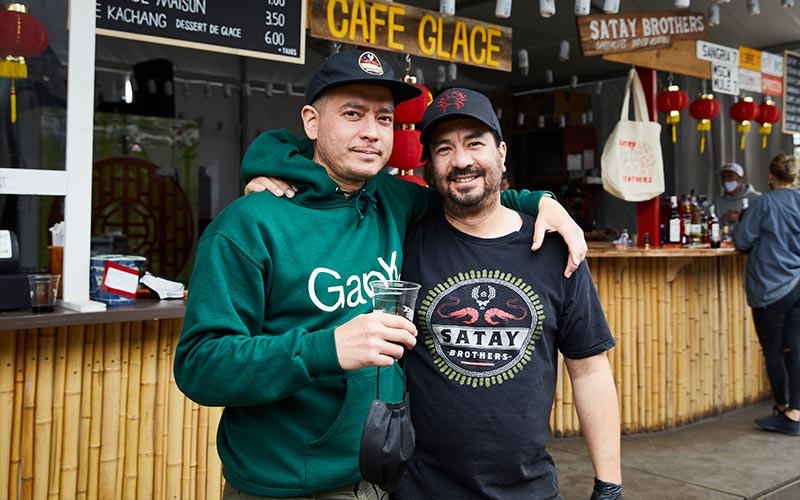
<point x="92" y="411"/>
<point x="84" y="414"/>
<point x="686" y="346"/>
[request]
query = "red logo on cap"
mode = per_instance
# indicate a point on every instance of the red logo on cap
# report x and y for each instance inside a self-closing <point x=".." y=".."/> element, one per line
<point x="451" y="98"/>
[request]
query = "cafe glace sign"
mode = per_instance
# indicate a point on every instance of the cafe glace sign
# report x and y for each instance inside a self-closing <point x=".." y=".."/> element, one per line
<point x="401" y="28"/>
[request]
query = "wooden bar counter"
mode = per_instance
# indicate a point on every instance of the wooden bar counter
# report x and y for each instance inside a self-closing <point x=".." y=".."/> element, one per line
<point x="89" y="407"/>
<point x="686" y="346"/>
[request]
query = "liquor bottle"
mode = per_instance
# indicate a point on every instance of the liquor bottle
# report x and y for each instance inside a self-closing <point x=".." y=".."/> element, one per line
<point x="686" y="222"/>
<point x="696" y="213"/>
<point x="715" y="235"/>
<point x="674" y="222"/>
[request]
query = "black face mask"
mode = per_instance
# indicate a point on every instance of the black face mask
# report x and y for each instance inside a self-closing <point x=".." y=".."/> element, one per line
<point x="387" y="442"/>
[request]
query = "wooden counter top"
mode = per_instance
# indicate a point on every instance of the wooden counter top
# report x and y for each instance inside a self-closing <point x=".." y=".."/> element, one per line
<point x="662" y="252"/>
<point x="142" y="310"/>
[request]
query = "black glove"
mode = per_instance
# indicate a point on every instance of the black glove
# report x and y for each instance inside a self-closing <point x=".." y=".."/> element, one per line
<point x="606" y="491"/>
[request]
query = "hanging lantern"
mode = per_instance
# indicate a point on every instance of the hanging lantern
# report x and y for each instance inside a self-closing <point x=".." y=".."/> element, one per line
<point x="407" y="149"/>
<point x="704" y="109"/>
<point x="768" y="114"/>
<point x="743" y="111"/>
<point x="672" y="101"/>
<point x="21" y="36"/>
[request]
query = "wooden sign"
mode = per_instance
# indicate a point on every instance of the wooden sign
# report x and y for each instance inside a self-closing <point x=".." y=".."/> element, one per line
<point x="680" y="59"/>
<point x="266" y="29"/>
<point x="614" y="33"/>
<point x="791" y="92"/>
<point x="410" y="30"/>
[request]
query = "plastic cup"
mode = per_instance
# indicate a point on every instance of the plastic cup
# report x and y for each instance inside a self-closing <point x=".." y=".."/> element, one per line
<point x="44" y="292"/>
<point x="395" y="297"/>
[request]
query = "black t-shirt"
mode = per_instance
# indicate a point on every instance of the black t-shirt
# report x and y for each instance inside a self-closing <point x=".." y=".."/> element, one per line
<point x="491" y="317"/>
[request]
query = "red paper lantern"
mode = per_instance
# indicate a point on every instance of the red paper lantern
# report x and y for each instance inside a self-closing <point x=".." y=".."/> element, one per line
<point x="743" y="111"/>
<point x="768" y="114"/>
<point x="704" y="109"/>
<point x="411" y="111"/>
<point x="672" y="101"/>
<point x="407" y="150"/>
<point x="21" y="36"/>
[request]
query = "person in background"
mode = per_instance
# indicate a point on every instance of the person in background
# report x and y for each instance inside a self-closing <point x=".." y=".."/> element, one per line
<point x="770" y="232"/>
<point x="279" y="327"/>
<point x="573" y="203"/>
<point x="734" y="190"/>
<point x="507" y="182"/>
<point x="493" y="318"/>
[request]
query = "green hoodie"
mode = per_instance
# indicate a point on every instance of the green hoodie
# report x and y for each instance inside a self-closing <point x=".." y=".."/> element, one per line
<point x="273" y="278"/>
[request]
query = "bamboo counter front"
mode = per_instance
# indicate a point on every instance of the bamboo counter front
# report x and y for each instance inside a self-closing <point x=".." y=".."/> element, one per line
<point x="686" y="346"/>
<point x="89" y="408"/>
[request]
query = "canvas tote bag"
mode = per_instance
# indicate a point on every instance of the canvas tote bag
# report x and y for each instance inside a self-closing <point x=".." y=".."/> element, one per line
<point x="632" y="166"/>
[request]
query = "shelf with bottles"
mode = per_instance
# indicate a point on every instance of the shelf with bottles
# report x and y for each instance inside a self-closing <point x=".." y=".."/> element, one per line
<point x="689" y="221"/>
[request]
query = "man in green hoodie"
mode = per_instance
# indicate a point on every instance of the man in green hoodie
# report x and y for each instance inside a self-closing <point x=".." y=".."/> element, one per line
<point x="278" y="325"/>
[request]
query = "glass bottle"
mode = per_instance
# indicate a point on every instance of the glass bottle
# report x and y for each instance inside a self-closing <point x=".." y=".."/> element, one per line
<point x="714" y="233"/>
<point x="674" y="236"/>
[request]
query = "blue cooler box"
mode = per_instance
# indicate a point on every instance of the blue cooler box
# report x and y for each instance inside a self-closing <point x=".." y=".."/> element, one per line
<point x="97" y="266"/>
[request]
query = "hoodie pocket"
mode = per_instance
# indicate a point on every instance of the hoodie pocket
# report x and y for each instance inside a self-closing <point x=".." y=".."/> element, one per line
<point x="333" y="458"/>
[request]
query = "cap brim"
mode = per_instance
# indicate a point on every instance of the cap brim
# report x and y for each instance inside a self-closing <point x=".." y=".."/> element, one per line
<point x="401" y="90"/>
<point x="424" y="136"/>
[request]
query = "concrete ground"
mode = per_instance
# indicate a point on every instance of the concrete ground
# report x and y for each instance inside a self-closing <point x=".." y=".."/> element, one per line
<point x="724" y="457"/>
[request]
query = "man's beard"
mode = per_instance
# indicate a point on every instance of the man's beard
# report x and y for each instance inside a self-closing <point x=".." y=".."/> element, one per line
<point x="471" y="203"/>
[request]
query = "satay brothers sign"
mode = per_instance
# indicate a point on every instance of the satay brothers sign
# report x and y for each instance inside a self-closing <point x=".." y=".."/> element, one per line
<point x="400" y="28"/>
<point x="611" y="33"/>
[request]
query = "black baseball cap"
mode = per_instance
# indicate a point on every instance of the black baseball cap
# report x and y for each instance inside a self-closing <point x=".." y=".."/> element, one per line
<point x="358" y="66"/>
<point x="457" y="103"/>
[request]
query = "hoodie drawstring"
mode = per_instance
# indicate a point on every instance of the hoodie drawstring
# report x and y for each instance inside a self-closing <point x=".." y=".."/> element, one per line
<point x="362" y="199"/>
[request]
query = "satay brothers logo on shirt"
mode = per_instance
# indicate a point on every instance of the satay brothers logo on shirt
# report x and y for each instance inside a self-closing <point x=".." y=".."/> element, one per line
<point x="481" y="326"/>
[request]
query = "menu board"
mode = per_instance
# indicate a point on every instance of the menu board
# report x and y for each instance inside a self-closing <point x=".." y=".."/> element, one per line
<point x="266" y="29"/>
<point x="791" y="92"/>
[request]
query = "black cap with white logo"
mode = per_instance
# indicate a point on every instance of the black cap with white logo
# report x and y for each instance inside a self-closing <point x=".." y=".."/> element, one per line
<point x="457" y="103"/>
<point x="358" y="67"/>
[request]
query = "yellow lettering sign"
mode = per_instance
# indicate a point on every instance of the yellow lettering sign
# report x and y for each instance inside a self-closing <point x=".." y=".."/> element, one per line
<point x="412" y="30"/>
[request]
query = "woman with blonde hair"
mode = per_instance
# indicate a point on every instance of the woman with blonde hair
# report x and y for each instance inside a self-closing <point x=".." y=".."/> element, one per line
<point x="770" y="232"/>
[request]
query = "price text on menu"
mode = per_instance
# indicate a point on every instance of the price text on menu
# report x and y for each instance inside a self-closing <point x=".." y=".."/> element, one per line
<point x="791" y="92"/>
<point x="267" y="29"/>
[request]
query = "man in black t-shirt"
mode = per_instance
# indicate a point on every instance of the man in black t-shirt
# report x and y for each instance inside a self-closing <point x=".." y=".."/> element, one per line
<point x="492" y="318"/>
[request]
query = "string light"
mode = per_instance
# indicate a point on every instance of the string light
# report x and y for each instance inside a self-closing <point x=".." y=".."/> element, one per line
<point x="447" y="7"/>
<point x="573" y="81"/>
<point x="548" y="76"/>
<point x="611" y="6"/>
<point x="563" y="50"/>
<point x="452" y="71"/>
<point x="502" y="9"/>
<point x="522" y="62"/>
<point x="540" y="121"/>
<point x="247" y="90"/>
<point x="547" y="8"/>
<point x="420" y="76"/>
<point x="269" y="88"/>
<point x="598" y="87"/>
<point x="713" y="15"/>
<point x="520" y="119"/>
<point x="582" y="7"/>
